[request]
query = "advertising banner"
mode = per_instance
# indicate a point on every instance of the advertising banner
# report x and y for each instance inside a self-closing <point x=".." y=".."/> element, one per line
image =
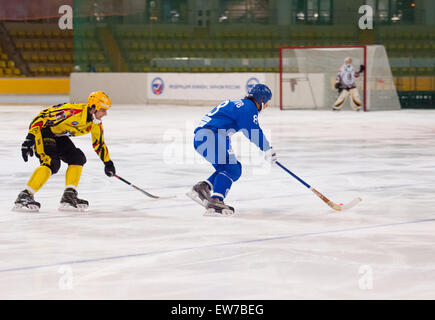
<point x="200" y="86"/>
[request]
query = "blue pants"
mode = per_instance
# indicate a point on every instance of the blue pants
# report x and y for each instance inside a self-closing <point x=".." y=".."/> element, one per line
<point x="215" y="147"/>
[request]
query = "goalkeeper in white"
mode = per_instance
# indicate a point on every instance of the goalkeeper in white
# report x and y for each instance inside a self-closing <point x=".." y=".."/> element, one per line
<point x="345" y="84"/>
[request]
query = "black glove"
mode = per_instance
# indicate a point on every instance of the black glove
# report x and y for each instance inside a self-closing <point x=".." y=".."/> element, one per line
<point x="361" y="68"/>
<point x="27" y="147"/>
<point x="109" y="168"/>
<point x="337" y="85"/>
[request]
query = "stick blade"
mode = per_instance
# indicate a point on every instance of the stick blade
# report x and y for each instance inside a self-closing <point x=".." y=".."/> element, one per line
<point x="166" y="197"/>
<point x="154" y="196"/>
<point x="351" y="204"/>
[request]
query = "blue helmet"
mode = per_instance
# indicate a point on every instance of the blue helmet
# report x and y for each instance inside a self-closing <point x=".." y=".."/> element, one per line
<point x="261" y="93"/>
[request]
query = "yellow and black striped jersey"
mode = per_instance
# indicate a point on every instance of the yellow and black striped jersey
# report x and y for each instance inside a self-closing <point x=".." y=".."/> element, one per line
<point x="69" y="119"/>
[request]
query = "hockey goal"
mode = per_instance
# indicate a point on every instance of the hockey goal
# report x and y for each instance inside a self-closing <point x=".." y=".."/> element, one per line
<point x="307" y="77"/>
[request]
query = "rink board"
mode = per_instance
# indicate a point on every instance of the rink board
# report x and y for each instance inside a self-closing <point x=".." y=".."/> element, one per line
<point x="169" y="88"/>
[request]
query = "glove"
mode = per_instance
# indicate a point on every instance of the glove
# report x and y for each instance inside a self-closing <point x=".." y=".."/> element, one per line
<point x="27" y="147"/>
<point x="271" y="156"/>
<point x="337" y="85"/>
<point x="361" y="68"/>
<point x="109" y="168"/>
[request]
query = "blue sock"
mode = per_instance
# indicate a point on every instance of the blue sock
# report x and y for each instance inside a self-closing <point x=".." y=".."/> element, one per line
<point x="221" y="186"/>
<point x="212" y="178"/>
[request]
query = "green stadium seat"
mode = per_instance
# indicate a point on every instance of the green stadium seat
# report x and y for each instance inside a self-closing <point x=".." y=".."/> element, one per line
<point x="243" y="45"/>
<point x="260" y="45"/>
<point x="145" y="34"/>
<point x="234" y="45"/>
<point x="92" y="56"/>
<point x="140" y="58"/>
<point x="151" y="45"/>
<point x="90" y="34"/>
<point x="134" y="45"/>
<point x="219" y="45"/>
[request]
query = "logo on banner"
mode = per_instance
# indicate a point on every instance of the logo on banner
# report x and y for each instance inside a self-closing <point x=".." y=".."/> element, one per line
<point x="250" y="83"/>
<point x="157" y="86"/>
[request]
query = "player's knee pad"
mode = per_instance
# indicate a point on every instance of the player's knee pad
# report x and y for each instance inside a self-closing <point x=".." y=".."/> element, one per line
<point x="76" y="157"/>
<point x="234" y="171"/>
<point x="54" y="165"/>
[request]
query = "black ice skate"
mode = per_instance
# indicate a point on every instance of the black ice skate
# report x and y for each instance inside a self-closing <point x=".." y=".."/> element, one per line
<point x="26" y="203"/>
<point x="70" y="202"/>
<point x="200" y="193"/>
<point x="216" y="207"/>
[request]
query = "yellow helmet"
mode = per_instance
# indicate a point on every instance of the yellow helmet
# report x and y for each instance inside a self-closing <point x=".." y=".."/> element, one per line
<point x="100" y="100"/>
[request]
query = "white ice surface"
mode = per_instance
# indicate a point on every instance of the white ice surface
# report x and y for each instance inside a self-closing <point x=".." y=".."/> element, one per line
<point x="283" y="242"/>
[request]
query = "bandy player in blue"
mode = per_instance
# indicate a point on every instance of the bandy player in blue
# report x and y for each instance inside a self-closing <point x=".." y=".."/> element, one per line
<point x="212" y="141"/>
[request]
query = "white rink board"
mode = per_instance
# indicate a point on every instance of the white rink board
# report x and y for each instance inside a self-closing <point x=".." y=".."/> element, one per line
<point x="170" y="88"/>
<point x="283" y="242"/>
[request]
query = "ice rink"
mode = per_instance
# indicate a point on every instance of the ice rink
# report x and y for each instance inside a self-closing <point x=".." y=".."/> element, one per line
<point x="282" y="243"/>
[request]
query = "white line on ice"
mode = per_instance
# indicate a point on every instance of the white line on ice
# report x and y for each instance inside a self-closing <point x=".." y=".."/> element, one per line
<point x="223" y="244"/>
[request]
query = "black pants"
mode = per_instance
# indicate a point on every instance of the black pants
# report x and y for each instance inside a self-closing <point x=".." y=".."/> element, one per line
<point x="61" y="148"/>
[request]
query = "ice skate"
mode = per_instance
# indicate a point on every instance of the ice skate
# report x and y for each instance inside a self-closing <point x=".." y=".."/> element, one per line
<point x="200" y="193"/>
<point x="26" y="203"/>
<point x="217" y="208"/>
<point x="70" y="202"/>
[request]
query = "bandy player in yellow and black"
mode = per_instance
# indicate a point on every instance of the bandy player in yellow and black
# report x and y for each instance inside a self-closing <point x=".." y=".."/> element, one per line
<point x="48" y="136"/>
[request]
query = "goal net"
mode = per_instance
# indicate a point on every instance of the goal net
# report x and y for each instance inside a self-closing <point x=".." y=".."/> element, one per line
<point x="308" y="74"/>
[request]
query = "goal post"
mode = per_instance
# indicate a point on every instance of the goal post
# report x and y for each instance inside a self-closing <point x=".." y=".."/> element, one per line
<point x="307" y="77"/>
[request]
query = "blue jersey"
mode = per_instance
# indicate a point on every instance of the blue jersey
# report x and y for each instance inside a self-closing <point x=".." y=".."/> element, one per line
<point x="236" y="115"/>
